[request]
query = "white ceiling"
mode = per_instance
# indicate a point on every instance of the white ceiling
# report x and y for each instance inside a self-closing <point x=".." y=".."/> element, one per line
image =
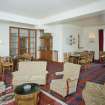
<point x="41" y="8"/>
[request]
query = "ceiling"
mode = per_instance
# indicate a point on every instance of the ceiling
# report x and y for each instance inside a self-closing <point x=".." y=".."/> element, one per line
<point x="40" y="8"/>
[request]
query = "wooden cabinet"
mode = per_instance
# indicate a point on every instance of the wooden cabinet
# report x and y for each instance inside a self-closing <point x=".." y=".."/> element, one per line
<point x="46" y="52"/>
<point x="49" y="55"/>
<point x="46" y="55"/>
<point x="46" y="41"/>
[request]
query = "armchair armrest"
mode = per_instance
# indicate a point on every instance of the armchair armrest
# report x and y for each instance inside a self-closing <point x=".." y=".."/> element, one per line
<point x="53" y="76"/>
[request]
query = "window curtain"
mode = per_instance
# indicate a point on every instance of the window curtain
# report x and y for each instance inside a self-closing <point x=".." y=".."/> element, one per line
<point x="101" y="40"/>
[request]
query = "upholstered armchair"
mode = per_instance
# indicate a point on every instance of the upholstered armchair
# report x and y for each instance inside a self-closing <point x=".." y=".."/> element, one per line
<point x="30" y="72"/>
<point x="94" y="94"/>
<point x="68" y="84"/>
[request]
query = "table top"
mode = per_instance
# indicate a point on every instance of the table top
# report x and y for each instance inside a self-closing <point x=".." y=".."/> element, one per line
<point x="21" y="91"/>
<point x="75" y="55"/>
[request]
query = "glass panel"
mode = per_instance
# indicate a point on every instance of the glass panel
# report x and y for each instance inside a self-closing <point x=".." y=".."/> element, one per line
<point x="14" y="30"/>
<point x="14" y="45"/>
<point x="13" y="52"/>
<point x="14" y="39"/>
<point x="32" y="33"/>
<point x="23" y="42"/>
<point x="14" y="34"/>
<point x="24" y="32"/>
<point x="32" y="40"/>
<point x="41" y="32"/>
<point x="32" y="50"/>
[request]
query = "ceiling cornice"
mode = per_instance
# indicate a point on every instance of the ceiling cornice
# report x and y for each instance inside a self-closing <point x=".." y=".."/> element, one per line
<point x="17" y="18"/>
<point x="84" y="10"/>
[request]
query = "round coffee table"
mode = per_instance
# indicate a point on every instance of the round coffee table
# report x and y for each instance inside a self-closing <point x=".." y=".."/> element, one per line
<point x="27" y="97"/>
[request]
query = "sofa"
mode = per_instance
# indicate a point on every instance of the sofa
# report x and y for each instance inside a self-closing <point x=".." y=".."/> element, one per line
<point x="30" y="72"/>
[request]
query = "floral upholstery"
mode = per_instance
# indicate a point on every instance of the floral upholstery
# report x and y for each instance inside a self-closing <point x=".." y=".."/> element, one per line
<point x="94" y="94"/>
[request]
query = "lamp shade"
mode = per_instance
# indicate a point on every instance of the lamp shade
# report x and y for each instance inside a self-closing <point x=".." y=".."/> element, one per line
<point x="92" y="36"/>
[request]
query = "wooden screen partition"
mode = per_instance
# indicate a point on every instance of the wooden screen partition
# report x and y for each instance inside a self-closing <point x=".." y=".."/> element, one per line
<point x="23" y="40"/>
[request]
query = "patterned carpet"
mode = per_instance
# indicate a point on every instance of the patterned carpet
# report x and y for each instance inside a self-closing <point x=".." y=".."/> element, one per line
<point x="95" y="73"/>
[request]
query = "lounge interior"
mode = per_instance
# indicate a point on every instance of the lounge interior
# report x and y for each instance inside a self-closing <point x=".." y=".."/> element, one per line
<point x="52" y="52"/>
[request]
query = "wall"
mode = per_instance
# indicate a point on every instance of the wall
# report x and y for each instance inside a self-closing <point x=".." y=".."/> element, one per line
<point x="95" y="45"/>
<point x="4" y="35"/>
<point x="61" y="35"/>
<point x="74" y="31"/>
<point x="91" y="46"/>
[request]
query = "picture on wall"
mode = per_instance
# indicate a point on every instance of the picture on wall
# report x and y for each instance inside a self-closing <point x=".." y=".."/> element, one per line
<point x="71" y="40"/>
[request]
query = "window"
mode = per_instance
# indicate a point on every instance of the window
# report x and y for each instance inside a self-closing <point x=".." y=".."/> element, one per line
<point x="23" y="40"/>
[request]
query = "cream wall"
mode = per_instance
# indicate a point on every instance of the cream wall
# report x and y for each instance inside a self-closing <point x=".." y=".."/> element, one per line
<point x="74" y="31"/>
<point x="95" y="45"/>
<point x="4" y="37"/>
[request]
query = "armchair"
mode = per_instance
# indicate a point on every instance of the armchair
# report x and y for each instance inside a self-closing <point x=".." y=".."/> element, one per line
<point x="68" y="84"/>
